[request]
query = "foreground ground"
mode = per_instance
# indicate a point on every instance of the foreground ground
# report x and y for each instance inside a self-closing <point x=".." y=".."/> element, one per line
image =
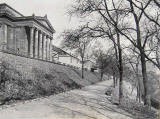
<point x="87" y="103"/>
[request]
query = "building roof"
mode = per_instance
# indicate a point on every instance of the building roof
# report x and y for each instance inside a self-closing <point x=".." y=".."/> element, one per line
<point x="8" y="12"/>
<point x="6" y="8"/>
<point x="61" y="52"/>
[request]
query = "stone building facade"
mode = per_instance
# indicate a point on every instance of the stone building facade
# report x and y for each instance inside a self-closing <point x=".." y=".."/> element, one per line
<point x="28" y="36"/>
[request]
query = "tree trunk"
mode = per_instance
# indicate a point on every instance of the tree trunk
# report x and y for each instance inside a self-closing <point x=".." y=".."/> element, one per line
<point x="114" y="81"/>
<point x="114" y="78"/>
<point x="145" y="78"/>
<point x="101" y="74"/>
<point x="139" y="83"/>
<point x="82" y="69"/>
<point x="121" y="75"/>
<point x="120" y="68"/>
<point x="137" y="97"/>
<point x="143" y="62"/>
<point x="117" y="55"/>
<point x="138" y="93"/>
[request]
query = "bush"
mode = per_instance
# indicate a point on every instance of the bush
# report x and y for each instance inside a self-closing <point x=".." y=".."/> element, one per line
<point x="137" y="108"/>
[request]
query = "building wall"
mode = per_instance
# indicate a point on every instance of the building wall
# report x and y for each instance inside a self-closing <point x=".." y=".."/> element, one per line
<point x="64" y="59"/>
<point x="76" y="62"/>
<point x="21" y="40"/>
<point x="69" y="60"/>
<point x="11" y="41"/>
<point x="17" y="39"/>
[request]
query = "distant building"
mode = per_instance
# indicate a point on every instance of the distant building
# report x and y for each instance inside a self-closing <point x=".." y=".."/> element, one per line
<point x="59" y="55"/>
<point x="90" y="65"/>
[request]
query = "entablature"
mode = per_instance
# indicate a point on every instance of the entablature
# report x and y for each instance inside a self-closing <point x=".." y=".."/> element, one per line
<point x="29" y="23"/>
<point x="26" y="20"/>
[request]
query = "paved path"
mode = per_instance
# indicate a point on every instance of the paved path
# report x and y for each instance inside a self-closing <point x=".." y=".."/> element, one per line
<point x="87" y="103"/>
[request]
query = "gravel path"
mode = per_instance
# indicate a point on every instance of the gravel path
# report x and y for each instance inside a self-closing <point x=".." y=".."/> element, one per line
<point x="89" y="102"/>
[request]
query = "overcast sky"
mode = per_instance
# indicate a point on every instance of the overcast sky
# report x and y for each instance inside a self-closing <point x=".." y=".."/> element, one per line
<point x="55" y="10"/>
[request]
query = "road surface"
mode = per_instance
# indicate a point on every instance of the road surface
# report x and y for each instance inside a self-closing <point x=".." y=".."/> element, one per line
<point x="89" y="102"/>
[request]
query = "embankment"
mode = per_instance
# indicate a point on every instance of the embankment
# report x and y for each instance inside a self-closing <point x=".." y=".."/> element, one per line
<point x="23" y="78"/>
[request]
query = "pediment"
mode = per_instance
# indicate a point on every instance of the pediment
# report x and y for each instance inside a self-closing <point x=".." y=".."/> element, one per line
<point x="45" y="22"/>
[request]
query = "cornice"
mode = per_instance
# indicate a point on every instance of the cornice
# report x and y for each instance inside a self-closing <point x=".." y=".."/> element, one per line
<point x="4" y="4"/>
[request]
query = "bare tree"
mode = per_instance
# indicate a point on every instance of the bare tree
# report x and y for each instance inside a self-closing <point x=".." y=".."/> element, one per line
<point x="77" y="41"/>
<point x="111" y="21"/>
<point x="123" y="18"/>
<point x="142" y="36"/>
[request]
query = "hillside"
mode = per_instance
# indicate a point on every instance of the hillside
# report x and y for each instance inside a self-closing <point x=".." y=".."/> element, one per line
<point x="29" y="82"/>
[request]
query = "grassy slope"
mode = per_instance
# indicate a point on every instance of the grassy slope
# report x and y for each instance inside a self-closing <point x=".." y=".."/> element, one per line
<point x="60" y="79"/>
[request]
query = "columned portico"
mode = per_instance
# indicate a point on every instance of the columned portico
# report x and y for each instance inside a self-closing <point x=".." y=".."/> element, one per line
<point x="39" y="44"/>
<point x="28" y="36"/>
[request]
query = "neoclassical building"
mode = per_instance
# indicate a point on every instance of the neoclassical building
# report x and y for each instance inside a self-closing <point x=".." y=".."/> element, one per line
<point x="28" y="36"/>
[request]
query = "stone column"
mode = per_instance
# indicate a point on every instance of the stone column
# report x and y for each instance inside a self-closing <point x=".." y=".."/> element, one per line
<point x="36" y="43"/>
<point x="50" y="50"/>
<point x="4" y="43"/>
<point x="31" y="41"/>
<point x="44" y="47"/>
<point x="48" y="45"/>
<point x="40" y="45"/>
